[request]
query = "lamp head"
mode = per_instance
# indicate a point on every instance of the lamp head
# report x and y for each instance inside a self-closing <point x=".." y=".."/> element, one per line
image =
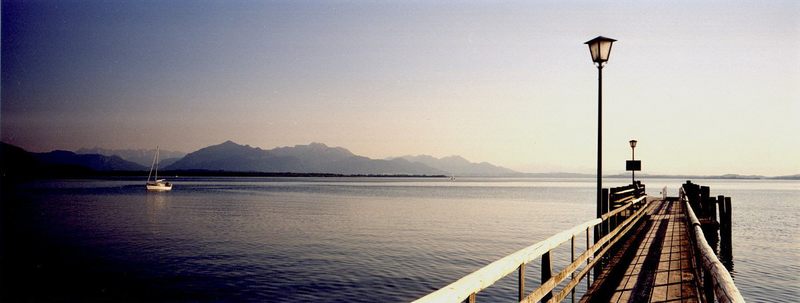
<point x="600" y="49"/>
<point x="633" y="143"/>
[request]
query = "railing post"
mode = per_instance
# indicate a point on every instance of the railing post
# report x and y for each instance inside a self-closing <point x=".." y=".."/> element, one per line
<point x="521" y="282"/>
<point x="471" y="298"/>
<point x="572" y="260"/>
<point x="598" y="232"/>
<point x="606" y="223"/>
<point x="547" y="273"/>
<point x="605" y="211"/>
<point x="598" y="229"/>
<point x="588" y="276"/>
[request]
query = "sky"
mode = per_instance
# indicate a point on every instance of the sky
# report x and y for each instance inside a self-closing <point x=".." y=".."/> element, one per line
<point x="706" y="87"/>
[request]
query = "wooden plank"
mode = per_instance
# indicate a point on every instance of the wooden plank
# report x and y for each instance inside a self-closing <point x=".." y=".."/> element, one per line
<point x="632" y="240"/>
<point x="669" y="279"/>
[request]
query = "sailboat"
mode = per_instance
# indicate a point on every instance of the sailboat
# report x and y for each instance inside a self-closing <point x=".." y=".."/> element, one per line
<point x="158" y="184"/>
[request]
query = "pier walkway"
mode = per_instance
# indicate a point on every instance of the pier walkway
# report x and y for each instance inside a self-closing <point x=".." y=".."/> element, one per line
<point x="645" y="249"/>
<point x="655" y="265"/>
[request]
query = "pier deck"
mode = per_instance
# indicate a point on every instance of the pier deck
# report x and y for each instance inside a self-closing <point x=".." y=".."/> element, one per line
<point x="656" y="265"/>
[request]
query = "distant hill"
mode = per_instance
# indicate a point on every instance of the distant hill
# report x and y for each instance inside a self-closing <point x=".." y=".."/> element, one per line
<point x="456" y="165"/>
<point x="17" y="162"/>
<point x="230" y="156"/>
<point x="94" y="162"/>
<point x="140" y="156"/>
<point x="312" y="158"/>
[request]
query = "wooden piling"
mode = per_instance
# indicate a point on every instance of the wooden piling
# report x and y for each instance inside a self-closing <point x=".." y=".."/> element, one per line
<point x="692" y="192"/>
<point x="705" y="192"/>
<point x="726" y="230"/>
<point x="712" y="208"/>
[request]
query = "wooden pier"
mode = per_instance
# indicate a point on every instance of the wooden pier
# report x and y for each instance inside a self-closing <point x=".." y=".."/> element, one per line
<point x="645" y="249"/>
<point x="655" y="265"/>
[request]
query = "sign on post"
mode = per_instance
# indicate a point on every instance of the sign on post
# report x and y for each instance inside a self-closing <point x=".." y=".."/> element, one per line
<point x="634" y="165"/>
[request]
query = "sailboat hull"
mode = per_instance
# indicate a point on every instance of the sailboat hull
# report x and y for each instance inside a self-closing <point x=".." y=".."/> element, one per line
<point x="159" y="186"/>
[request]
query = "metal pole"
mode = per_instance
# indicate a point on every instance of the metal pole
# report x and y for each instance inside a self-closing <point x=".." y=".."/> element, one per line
<point x="633" y="171"/>
<point x="599" y="132"/>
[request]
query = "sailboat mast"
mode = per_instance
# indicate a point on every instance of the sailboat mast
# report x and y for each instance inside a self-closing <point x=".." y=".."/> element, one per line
<point x="156" y="163"/>
<point x="153" y="165"/>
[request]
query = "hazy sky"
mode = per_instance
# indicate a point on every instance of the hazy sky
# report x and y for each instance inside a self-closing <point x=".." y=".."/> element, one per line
<point x="706" y="87"/>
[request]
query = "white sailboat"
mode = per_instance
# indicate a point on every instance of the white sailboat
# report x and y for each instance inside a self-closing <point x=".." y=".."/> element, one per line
<point x="158" y="184"/>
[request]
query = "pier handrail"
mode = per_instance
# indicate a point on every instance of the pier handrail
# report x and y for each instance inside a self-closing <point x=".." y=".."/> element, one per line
<point x="724" y="288"/>
<point x="467" y="287"/>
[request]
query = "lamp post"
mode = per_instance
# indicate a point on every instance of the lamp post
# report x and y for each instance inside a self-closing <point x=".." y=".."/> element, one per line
<point x="633" y="171"/>
<point x="600" y="49"/>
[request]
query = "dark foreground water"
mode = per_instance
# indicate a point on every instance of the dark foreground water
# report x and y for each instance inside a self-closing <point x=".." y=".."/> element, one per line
<point x="332" y="240"/>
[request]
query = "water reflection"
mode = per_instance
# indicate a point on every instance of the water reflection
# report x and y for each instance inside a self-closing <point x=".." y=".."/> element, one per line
<point x="714" y="239"/>
<point x="156" y="203"/>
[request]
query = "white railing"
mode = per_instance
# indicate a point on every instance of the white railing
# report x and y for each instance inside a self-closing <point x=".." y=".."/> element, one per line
<point x="712" y="268"/>
<point x="467" y="287"/>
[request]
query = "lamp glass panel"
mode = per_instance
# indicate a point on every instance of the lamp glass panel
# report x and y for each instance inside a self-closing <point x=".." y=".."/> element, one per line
<point x="594" y="48"/>
<point x="605" y="50"/>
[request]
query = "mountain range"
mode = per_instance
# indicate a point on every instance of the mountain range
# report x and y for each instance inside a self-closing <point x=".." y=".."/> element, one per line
<point x="140" y="156"/>
<point x="17" y="162"/>
<point x="232" y="157"/>
<point x="456" y="165"/>
<point x="320" y="158"/>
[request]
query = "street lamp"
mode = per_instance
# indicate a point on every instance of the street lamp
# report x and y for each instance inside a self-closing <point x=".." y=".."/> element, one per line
<point x="600" y="49"/>
<point x="633" y="158"/>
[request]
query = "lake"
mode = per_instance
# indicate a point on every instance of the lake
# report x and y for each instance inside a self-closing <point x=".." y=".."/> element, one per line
<point x="333" y="239"/>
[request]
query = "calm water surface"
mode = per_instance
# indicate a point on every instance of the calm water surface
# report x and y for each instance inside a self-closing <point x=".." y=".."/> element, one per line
<point x="332" y="240"/>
